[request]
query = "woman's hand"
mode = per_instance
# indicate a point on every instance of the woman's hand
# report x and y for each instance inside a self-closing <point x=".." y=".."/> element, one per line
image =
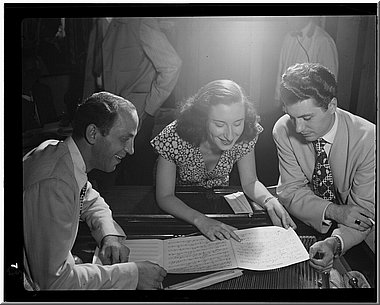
<point x="278" y="214"/>
<point x="214" y="229"/>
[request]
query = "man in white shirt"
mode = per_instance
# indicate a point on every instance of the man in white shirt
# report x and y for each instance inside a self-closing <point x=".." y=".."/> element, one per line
<point x="57" y="195"/>
<point x="337" y="193"/>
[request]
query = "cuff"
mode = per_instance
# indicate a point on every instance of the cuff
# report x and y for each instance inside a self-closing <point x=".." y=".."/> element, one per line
<point x="341" y="250"/>
<point x="324" y="220"/>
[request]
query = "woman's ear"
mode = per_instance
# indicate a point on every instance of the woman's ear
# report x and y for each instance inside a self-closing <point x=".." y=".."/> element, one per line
<point x="91" y="133"/>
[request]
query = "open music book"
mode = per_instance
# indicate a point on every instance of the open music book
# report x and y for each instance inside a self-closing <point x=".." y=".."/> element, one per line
<point x="261" y="248"/>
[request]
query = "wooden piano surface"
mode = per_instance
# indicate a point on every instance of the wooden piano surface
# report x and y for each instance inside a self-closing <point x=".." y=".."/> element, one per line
<point x="135" y="209"/>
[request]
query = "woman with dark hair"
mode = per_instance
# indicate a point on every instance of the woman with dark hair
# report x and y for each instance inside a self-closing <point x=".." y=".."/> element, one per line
<point x="215" y="129"/>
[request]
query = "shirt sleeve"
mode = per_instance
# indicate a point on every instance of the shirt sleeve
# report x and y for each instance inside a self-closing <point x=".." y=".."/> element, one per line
<point x="50" y="226"/>
<point x="164" y="59"/>
<point x="327" y="55"/>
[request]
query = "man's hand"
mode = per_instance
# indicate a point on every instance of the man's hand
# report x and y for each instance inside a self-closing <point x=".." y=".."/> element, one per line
<point x="214" y="229"/>
<point x="321" y="254"/>
<point x="352" y="216"/>
<point x="150" y="275"/>
<point x="113" y="250"/>
<point x="278" y="214"/>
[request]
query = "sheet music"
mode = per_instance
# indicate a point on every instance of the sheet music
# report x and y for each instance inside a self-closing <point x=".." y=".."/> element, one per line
<point x="271" y="247"/>
<point x="261" y="248"/>
<point x="198" y="254"/>
<point x="146" y="250"/>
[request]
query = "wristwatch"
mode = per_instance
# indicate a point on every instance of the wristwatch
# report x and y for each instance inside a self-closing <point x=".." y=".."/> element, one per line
<point x="338" y="251"/>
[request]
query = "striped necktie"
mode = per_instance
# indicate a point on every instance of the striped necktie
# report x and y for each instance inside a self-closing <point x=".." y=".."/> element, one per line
<point x="322" y="180"/>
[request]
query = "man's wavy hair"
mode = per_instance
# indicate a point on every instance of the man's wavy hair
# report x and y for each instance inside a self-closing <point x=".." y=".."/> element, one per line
<point x="101" y="109"/>
<point x="308" y="80"/>
<point x="193" y="114"/>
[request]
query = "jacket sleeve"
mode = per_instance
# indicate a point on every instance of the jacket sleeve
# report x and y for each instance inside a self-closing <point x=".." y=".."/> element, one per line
<point x="98" y="216"/>
<point x="165" y="60"/>
<point x="281" y="66"/>
<point x="89" y="79"/>
<point x="327" y="54"/>
<point x="50" y="226"/>
<point x="294" y="189"/>
<point x="361" y="190"/>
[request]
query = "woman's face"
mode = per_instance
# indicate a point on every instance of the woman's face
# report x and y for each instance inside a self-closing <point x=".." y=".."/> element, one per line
<point x="225" y="125"/>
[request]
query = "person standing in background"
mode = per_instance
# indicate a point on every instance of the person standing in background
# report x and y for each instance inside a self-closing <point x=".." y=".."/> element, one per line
<point x="133" y="58"/>
<point x="306" y="42"/>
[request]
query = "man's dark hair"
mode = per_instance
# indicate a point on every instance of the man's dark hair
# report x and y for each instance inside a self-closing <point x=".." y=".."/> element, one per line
<point x="101" y="109"/>
<point x="193" y="115"/>
<point x="308" y="80"/>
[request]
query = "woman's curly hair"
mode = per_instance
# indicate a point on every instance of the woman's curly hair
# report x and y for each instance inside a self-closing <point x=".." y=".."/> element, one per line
<point x="308" y="80"/>
<point x="192" y="116"/>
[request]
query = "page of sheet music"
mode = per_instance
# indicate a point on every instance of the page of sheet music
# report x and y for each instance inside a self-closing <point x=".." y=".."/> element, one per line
<point x="271" y="247"/>
<point x="197" y="254"/>
<point x="146" y="250"/>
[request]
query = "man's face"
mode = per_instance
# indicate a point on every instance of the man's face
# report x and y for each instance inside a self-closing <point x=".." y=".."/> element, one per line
<point x="110" y="149"/>
<point x="297" y="23"/>
<point x="311" y="121"/>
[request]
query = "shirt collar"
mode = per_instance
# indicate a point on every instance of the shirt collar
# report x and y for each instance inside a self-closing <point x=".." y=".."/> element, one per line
<point x="79" y="165"/>
<point x="329" y="137"/>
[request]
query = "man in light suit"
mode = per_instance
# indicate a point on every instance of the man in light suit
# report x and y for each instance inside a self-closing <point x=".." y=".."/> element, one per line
<point x="57" y="196"/>
<point x="309" y="96"/>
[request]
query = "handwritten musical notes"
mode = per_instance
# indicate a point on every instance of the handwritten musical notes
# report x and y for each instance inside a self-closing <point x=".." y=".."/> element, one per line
<point x="261" y="248"/>
<point x="267" y="248"/>
<point x="198" y="254"/>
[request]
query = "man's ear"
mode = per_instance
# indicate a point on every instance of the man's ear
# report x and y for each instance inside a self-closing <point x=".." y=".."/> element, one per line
<point x="91" y="133"/>
<point x="332" y="105"/>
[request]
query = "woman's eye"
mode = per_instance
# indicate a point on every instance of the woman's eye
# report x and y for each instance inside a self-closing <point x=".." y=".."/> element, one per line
<point x="218" y="125"/>
<point x="237" y="124"/>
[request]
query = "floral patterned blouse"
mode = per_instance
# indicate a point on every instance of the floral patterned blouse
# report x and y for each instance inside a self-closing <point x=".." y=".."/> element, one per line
<point x="191" y="169"/>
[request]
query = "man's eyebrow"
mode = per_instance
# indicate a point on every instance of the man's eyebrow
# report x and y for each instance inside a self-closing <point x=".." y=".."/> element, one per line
<point x="127" y="135"/>
<point x="306" y="114"/>
<point x="301" y="116"/>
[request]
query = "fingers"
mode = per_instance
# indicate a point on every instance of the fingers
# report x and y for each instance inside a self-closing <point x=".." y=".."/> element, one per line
<point x="292" y="223"/>
<point x="113" y="255"/>
<point x="124" y="256"/>
<point x="273" y="216"/>
<point x="326" y="267"/>
<point x="226" y="232"/>
<point x="105" y="256"/>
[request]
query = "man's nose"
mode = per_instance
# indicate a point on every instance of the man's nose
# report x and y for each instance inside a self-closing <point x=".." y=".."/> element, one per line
<point x="299" y="125"/>
<point x="129" y="148"/>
